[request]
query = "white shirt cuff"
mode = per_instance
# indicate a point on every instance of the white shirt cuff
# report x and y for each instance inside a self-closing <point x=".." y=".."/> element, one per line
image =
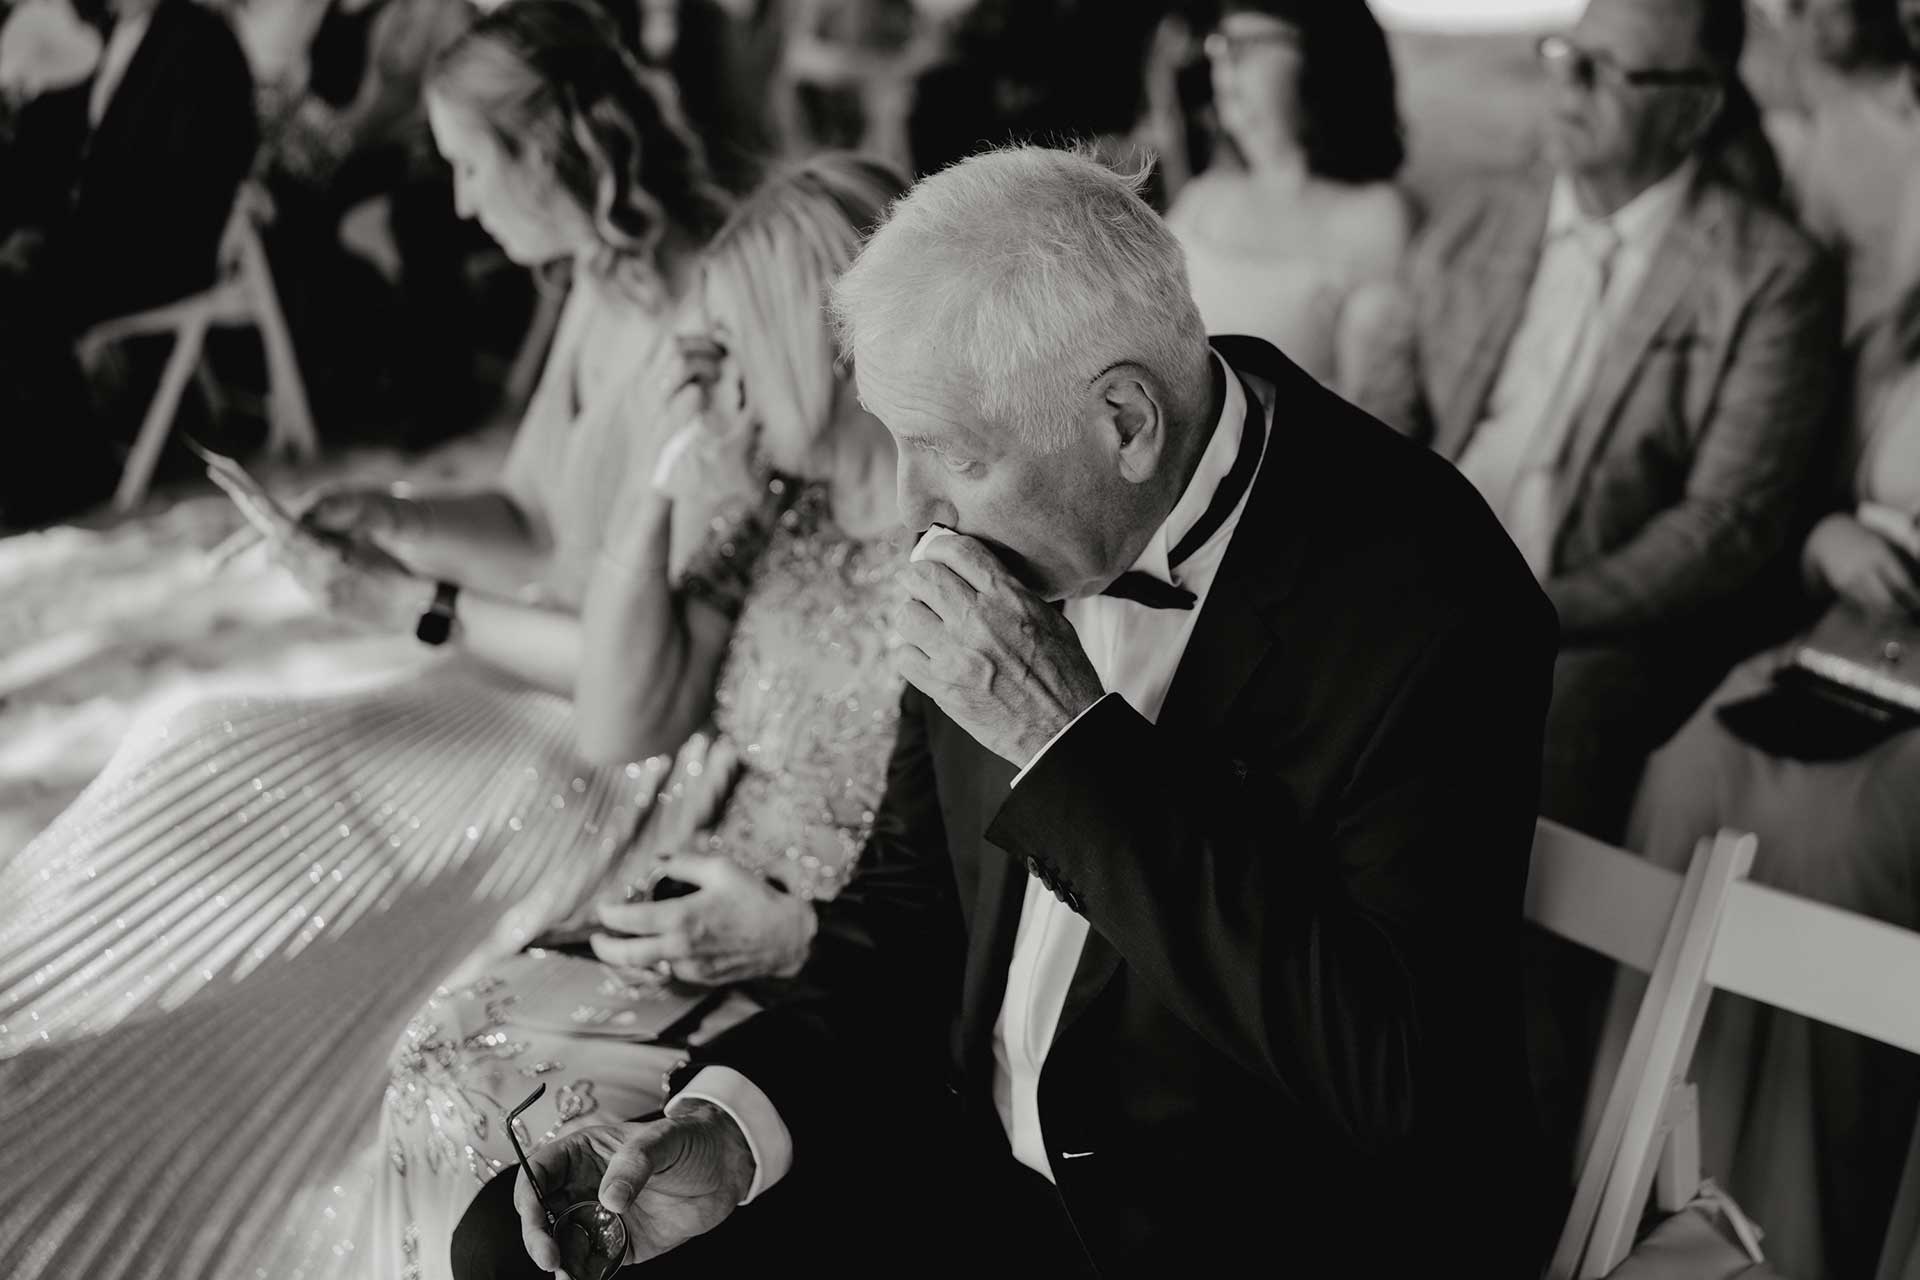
<point x="767" y="1138"/>
<point x="1055" y="738"/>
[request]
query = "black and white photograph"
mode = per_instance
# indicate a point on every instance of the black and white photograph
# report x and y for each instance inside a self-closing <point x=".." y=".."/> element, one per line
<point x="959" y="638"/>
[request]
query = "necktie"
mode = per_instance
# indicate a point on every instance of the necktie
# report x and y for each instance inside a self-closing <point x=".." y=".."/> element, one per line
<point x="1533" y="506"/>
<point x="1144" y="588"/>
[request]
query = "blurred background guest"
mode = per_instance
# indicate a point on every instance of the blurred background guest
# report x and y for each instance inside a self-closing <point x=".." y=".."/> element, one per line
<point x="1630" y="357"/>
<point x="1042" y="71"/>
<point x="1823" y="50"/>
<point x="347" y="138"/>
<point x="723" y="58"/>
<point x="1853" y="178"/>
<point x="845" y="74"/>
<point x="1296" y="230"/>
<point x="1814" y="1125"/>
<point x="114" y="192"/>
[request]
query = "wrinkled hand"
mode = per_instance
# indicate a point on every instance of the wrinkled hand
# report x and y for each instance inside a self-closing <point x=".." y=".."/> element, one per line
<point x="692" y="797"/>
<point x="669" y="1180"/>
<point x="1860" y="565"/>
<point x="1000" y="661"/>
<point x="734" y="927"/>
<point x="357" y="582"/>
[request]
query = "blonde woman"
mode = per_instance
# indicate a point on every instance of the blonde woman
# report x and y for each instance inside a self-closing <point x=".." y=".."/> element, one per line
<point x="789" y="651"/>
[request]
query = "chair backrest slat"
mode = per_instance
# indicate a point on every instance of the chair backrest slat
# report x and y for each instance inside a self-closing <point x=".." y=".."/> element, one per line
<point x="1712" y="929"/>
<point x="1605" y="899"/>
<point x="1843" y="969"/>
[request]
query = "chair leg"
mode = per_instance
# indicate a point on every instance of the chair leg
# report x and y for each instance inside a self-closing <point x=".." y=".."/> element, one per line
<point x="289" y="418"/>
<point x="166" y="401"/>
<point x="210" y="390"/>
<point x="1677" y="1179"/>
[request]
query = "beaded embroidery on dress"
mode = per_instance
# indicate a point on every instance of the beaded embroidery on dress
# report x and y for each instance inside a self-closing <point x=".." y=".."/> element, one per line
<point x="808" y="697"/>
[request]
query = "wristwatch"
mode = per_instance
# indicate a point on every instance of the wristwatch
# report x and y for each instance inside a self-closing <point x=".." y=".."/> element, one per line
<point x="436" y="624"/>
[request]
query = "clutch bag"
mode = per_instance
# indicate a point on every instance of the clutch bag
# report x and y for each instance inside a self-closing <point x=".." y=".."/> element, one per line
<point x="1847" y="685"/>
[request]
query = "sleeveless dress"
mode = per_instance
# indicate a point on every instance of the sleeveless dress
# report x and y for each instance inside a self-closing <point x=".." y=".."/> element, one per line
<point x="206" y="959"/>
<point x="1811" y="1128"/>
<point x="809" y="699"/>
<point x="1292" y="295"/>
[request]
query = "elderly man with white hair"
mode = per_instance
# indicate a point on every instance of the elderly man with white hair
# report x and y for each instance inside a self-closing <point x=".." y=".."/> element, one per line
<point x="1189" y="923"/>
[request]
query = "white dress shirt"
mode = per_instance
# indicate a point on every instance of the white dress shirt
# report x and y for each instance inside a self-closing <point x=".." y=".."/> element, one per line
<point x="1590" y="271"/>
<point x="1136" y="651"/>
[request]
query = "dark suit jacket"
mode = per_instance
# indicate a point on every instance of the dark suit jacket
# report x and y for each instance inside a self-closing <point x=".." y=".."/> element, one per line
<point x="1294" y="1031"/>
<point x="133" y="209"/>
<point x="1692" y="462"/>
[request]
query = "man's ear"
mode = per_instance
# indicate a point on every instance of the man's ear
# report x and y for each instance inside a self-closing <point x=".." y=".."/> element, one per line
<point x="1135" y="421"/>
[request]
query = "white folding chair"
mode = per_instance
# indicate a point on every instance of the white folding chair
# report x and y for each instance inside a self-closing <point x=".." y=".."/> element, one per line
<point x="242" y="295"/>
<point x="1723" y="933"/>
<point x="1660" y="924"/>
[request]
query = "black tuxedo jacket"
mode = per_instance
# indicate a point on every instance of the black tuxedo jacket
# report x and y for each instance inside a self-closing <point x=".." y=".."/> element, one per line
<point x="1294" y="1034"/>
<point x="133" y="208"/>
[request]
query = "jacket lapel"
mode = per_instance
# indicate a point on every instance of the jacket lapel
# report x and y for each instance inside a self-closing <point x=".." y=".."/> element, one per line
<point x="1236" y="627"/>
<point x="1494" y="297"/>
<point x="1685" y="245"/>
<point x="125" y="102"/>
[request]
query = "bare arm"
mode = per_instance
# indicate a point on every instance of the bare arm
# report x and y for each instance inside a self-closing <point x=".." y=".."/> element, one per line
<point x="538" y="645"/>
<point x="1372" y="319"/>
<point x="486" y="541"/>
<point x="650" y="653"/>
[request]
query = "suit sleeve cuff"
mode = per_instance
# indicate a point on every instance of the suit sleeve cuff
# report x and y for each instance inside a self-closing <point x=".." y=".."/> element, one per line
<point x="1064" y="731"/>
<point x="766" y="1133"/>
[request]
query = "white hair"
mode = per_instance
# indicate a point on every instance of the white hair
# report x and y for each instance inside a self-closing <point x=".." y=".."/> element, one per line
<point x="1038" y="269"/>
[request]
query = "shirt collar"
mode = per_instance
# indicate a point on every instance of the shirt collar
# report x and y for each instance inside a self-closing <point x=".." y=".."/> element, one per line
<point x="1637" y="223"/>
<point x="1215" y="463"/>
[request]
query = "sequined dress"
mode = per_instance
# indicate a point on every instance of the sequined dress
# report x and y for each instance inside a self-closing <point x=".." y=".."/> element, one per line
<point x="205" y="962"/>
<point x="809" y="699"/>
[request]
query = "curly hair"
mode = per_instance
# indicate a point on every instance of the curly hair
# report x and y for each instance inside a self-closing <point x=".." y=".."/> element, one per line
<point x="1349" y="108"/>
<point x="552" y="83"/>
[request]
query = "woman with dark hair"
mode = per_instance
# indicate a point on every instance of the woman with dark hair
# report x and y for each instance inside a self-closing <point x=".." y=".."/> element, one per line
<point x="205" y="960"/>
<point x="1296" y="233"/>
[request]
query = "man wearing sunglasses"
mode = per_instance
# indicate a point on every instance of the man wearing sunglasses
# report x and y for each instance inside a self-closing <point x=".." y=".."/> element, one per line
<point x="1630" y="356"/>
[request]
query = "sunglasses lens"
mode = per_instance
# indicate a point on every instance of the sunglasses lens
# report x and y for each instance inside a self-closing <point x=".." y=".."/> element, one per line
<point x="1569" y="60"/>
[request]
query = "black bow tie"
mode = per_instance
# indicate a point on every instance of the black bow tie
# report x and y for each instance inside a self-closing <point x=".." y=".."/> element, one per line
<point x="1144" y="588"/>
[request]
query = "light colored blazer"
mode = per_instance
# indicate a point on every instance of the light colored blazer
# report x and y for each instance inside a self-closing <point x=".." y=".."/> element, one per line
<point x="1701" y="438"/>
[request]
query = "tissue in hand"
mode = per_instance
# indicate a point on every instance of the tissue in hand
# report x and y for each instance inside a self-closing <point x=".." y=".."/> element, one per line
<point x="927" y="539"/>
<point x="671" y="452"/>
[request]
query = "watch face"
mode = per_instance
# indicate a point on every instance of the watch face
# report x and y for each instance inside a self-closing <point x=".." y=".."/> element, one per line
<point x="434" y="628"/>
